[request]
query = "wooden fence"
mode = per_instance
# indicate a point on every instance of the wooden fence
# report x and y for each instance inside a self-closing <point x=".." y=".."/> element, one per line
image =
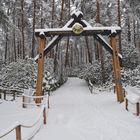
<point x="17" y="126"/>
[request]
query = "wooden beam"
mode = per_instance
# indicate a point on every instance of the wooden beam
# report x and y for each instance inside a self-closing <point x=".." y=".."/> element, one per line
<point x="40" y="68"/>
<point x="87" y="31"/>
<point x="116" y="68"/>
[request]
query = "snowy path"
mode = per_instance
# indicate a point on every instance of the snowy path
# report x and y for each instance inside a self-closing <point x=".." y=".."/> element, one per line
<point x="75" y="114"/>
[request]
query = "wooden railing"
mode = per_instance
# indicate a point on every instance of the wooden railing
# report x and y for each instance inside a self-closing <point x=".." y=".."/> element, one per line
<point x="17" y="126"/>
<point x="8" y="91"/>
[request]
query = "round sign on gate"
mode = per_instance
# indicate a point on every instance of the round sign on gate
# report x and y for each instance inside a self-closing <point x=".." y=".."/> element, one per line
<point x="77" y="28"/>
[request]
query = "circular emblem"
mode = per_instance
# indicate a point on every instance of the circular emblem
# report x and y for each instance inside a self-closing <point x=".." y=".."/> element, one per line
<point x="77" y="28"/>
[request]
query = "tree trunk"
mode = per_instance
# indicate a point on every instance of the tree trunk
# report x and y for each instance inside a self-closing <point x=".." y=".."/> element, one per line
<point x="14" y="39"/>
<point x="134" y="30"/>
<point x="97" y="21"/>
<point x="99" y="47"/>
<point x="52" y="53"/>
<point x="67" y="54"/>
<point x="56" y="50"/>
<point x="98" y="12"/>
<point x="62" y="12"/>
<point x="119" y="24"/>
<point x="22" y="28"/>
<point x="129" y="30"/>
<point x="69" y="10"/>
<point x="88" y="50"/>
<point x="6" y="43"/>
<point x="41" y="21"/>
<point x="52" y="24"/>
<point x="6" y="47"/>
<point x="19" y="48"/>
<point x="33" y="34"/>
<point x="68" y="39"/>
<point x="55" y="59"/>
<point x="53" y="2"/>
<point x="71" y="58"/>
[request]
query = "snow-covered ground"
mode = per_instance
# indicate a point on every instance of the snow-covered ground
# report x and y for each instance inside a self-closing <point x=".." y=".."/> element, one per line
<point x="76" y="114"/>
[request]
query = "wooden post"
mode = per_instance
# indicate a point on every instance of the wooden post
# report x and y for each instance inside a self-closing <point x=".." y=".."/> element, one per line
<point x="116" y="68"/>
<point x="4" y="92"/>
<point x="113" y="66"/>
<point x="14" y="95"/>
<point x="23" y="101"/>
<point x="114" y="72"/>
<point x="44" y="115"/>
<point x="40" y="68"/>
<point x="48" y="102"/>
<point x="18" y="132"/>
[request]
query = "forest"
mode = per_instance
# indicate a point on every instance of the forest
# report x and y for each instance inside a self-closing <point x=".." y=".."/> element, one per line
<point x="83" y="56"/>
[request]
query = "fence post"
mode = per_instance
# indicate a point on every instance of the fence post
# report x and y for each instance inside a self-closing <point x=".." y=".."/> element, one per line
<point x="137" y="109"/>
<point x="23" y="101"/>
<point x="44" y="115"/>
<point x="18" y="132"/>
<point x="48" y="103"/>
<point x="126" y="104"/>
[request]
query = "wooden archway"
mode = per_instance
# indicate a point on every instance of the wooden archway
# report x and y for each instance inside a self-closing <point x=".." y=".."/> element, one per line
<point x="76" y="26"/>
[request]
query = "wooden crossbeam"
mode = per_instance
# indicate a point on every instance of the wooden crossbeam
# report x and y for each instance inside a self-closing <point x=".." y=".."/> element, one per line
<point x="87" y="31"/>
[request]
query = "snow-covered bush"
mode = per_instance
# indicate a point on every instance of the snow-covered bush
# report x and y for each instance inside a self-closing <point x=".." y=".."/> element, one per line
<point x="23" y="74"/>
<point x="131" y="77"/>
<point x="74" y="72"/>
<point x="20" y="74"/>
<point x="93" y="72"/>
<point x="50" y="82"/>
<point x="131" y="57"/>
<point x="53" y="79"/>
